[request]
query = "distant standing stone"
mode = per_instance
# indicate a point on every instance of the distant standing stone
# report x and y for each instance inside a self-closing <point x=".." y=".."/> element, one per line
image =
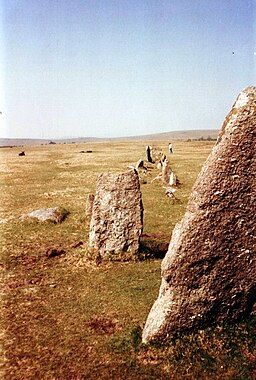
<point x="173" y="179"/>
<point x="166" y="171"/>
<point x="148" y="151"/>
<point x="139" y="164"/>
<point x="159" y="166"/>
<point x="117" y="216"/>
<point x="209" y="271"/>
<point x="89" y="204"/>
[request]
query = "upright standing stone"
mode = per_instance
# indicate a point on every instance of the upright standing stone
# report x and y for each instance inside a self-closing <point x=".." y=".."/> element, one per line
<point x="166" y="171"/>
<point x="159" y="166"/>
<point x="209" y="271"/>
<point x="139" y="164"/>
<point x="89" y="204"/>
<point x="148" y="151"/>
<point x="117" y="216"/>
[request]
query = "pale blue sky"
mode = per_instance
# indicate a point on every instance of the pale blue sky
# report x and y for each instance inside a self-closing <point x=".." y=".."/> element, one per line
<point x="122" y="67"/>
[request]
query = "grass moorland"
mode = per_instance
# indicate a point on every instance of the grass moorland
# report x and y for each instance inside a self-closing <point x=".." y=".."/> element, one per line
<point x="67" y="317"/>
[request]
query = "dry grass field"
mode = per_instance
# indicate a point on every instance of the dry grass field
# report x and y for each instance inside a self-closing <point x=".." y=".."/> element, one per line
<point x="67" y="317"/>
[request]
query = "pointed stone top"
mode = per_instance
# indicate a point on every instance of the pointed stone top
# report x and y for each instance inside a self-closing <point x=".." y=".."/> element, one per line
<point x="247" y="95"/>
<point x="243" y="107"/>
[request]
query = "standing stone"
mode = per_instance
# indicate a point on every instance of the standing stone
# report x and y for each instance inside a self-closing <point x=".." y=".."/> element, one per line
<point x="89" y="204"/>
<point x="148" y="151"/>
<point x="166" y="171"/>
<point x="159" y="166"/>
<point x="117" y="216"/>
<point x="209" y="271"/>
<point x="173" y="179"/>
<point x="139" y="164"/>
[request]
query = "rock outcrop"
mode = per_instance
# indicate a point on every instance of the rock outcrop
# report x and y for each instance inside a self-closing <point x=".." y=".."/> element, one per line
<point x="117" y="217"/>
<point x="209" y="271"/>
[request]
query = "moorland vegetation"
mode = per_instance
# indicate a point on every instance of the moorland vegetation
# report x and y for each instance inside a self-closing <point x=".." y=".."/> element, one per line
<point x="67" y="317"/>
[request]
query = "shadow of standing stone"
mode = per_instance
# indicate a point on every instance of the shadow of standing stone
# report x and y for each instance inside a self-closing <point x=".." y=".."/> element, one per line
<point x="117" y="217"/>
<point x="209" y="271"/>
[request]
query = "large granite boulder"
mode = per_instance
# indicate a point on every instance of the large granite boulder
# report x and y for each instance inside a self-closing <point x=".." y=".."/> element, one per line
<point x="117" y="216"/>
<point x="209" y="271"/>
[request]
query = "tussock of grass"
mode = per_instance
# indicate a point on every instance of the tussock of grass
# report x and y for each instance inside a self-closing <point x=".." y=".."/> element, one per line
<point x="67" y="317"/>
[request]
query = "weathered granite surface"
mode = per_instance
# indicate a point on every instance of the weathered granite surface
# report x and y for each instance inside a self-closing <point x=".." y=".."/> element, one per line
<point x="117" y="216"/>
<point x="209" y="271"/>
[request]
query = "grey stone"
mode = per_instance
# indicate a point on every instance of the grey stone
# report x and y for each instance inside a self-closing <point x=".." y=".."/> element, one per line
<point x="209" y="271"/>
<point x="117" y="217"/>
<point x="148" y="152"/>
<point x="173" y="179"/>
<point x="89" y="204"/>
<point x="166" y="171"/>
<point x="159" y="166"/>
<point x="170" y="192"/>
<point x="52" y="214"/>
<point x="139" y="164"/>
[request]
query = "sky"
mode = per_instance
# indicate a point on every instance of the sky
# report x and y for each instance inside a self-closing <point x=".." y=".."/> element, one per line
<point x="111" y="68"/>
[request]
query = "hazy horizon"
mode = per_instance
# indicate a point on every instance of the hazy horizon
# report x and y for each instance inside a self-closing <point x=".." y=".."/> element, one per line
<point x="181" y="132"/>
<point x="111" y="68"/>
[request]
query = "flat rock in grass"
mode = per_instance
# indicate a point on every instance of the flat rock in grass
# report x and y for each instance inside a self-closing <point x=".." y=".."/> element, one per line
<point x="117" y="216"/>
<point x="52" y="214"/>
<point x="209" y="271"/>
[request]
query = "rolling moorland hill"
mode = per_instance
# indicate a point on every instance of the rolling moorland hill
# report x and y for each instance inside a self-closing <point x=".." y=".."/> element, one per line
<point x="206" y="134"/>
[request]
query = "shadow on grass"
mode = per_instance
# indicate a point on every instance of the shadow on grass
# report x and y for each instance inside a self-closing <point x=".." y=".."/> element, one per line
<point x="152" y="247"/>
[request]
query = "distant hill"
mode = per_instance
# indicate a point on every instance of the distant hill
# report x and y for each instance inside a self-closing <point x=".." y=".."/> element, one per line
<point x="210" y="134"/>
<point x="203" y="134"/>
